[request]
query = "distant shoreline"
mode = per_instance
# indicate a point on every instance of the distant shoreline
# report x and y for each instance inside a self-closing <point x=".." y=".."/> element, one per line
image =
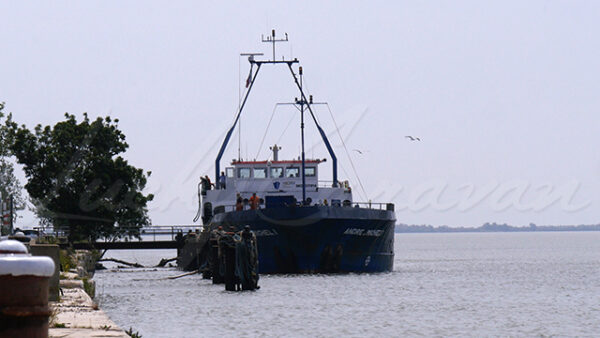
<point x="493" y="227"/>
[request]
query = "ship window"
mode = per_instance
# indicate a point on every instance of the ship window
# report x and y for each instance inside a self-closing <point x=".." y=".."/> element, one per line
<point x="309" y="171"/>
<point x="260" y="173"/>
<point x="230" y="172"/>
<point x="244" y="172"/>
<point x="292" y="172"/>
<point x="276" y="172"/>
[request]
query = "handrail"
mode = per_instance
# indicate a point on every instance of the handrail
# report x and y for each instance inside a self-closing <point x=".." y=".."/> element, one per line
<point x="324" y="184"/>
<point x="152" y="230"/>
<point x="364" y="205"/>
<point x="329" y="184"/>
<point x="370" y="205"/>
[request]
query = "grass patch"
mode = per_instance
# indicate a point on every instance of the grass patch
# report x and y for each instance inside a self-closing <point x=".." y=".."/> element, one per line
<point x="52" y="318"/>
<point x="66" y="260"/>
<point x="133" y="334"/>
<point x="89" y="287"/>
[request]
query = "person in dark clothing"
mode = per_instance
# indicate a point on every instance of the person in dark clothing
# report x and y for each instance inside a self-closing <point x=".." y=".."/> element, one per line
<point x="239" y="202"/>
<point x="222" y="180"/>
<point x="210" y="184"/>
<point x="204" y="185"/>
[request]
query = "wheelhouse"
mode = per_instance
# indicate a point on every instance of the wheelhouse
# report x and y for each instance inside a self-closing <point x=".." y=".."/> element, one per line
<point x="267" y="178"/>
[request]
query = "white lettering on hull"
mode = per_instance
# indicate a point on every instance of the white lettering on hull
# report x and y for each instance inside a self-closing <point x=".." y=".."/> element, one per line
<point x="266" y="232"/>
<point x="363" y="232"/>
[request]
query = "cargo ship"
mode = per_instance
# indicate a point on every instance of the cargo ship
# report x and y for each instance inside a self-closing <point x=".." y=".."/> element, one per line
<point x="302" y="224"/>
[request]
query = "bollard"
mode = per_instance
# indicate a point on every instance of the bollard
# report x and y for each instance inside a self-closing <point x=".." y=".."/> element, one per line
<point x="19" y="236"/>
<point x="227" y="260"/>
<point x="24" y="280"/>
<point x="215" y="262"/>
<point x="231" y="281"/>
<point x="52" y="251"/>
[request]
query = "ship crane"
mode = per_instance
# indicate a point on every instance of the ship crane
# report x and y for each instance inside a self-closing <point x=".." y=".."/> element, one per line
<point x="304" y="102"/>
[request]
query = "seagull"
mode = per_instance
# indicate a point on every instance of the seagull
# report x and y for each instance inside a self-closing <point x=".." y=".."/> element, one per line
<point x="412" y="138"/>
<point x="358" y="151"/>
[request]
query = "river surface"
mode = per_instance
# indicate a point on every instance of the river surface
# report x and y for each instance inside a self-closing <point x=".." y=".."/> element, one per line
<point x="461" y="284"/>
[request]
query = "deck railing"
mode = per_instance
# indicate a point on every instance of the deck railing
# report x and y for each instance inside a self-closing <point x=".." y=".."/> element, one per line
<point x="364" y="205"/>
<point x="329" y="184"/>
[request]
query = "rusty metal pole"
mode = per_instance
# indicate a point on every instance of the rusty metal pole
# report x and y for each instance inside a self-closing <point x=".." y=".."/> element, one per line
<point x="24" y="281"/>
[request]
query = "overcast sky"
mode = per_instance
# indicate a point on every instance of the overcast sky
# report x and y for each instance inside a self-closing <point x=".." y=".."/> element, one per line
<point x="503" y="95"/>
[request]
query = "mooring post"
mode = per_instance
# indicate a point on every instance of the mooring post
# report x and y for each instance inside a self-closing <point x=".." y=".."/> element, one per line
<point x="215" y="261"/>
<point x="24" y="291"/>
<point x="230" y="278"/>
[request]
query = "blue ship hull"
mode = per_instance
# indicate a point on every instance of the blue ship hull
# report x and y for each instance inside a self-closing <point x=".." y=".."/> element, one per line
<point x="318" y="239"/>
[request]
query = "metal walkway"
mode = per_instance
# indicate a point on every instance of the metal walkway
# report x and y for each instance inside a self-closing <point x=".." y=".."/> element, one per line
<point x="153" y="237"/>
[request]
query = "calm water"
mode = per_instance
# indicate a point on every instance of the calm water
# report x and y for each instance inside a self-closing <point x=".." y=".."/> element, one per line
<point x="492" y="284"/>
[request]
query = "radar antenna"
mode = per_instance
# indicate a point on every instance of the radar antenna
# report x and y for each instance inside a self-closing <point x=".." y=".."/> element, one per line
<point x="273" y="40"/>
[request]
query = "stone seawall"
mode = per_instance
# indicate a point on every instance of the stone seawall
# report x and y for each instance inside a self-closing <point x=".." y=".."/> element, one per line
<point x="80" y="317"/>
<point x="76" y="314"/>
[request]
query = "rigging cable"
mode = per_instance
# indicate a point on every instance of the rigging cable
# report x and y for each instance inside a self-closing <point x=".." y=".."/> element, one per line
<point x="286" y="128"/>
<point x="343" y="143"/>
<point x="239" y="105"/>
<point x="266" y="130"/>
<point x="282" y="133"/>
<point x="341" y="166"/>
<point x="347" y="153"/>
<point x="241" y="94"/>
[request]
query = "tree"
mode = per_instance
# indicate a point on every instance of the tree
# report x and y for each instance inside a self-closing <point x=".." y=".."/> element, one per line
<point x="10" y="187"/>
<point x="77" y="180"/>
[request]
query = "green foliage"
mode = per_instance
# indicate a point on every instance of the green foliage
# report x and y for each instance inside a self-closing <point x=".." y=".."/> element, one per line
<point x="9" y="184"/>
<point x="133" y="334"/>
<point x="5" y="134"/>
<point x="66" y="260"/>
<point x="47" y="240"/>
<point x="77" y="180"/>
<point x="59" y="325"/>
<point x="96" y="256"/>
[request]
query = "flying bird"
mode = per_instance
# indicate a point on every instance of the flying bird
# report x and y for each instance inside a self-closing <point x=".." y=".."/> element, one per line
<point x="358" y="151"/>
<point x="412" y="138"/>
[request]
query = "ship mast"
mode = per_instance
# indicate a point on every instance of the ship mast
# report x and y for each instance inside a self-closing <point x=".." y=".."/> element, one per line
<point x="303" y="102"/>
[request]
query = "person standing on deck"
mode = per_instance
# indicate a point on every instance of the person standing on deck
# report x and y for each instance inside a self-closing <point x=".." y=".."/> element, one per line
<point x="204" y="185"/>
<point x="209" y="183"/>
<point x="239" y="202"/>
<point x="222" y="180"/>
<point x="254" y="200"/>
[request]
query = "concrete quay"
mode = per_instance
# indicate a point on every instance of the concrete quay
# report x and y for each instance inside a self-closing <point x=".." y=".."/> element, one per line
<point x="81" y="318"/>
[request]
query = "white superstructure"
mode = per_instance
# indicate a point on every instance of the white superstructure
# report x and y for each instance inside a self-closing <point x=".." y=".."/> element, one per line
<point x="274" y="178"/>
